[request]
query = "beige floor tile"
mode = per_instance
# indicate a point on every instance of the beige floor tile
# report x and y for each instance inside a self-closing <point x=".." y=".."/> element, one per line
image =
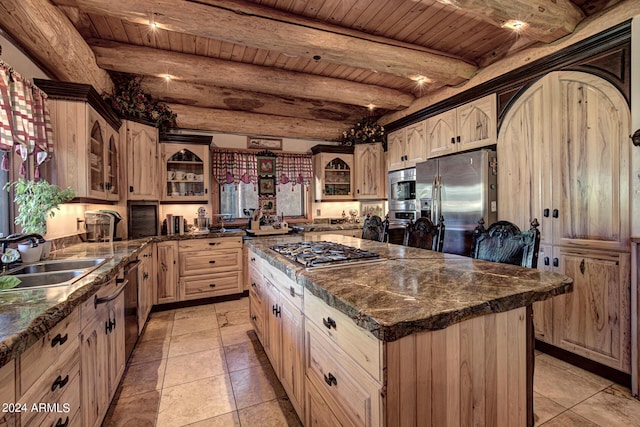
<point x="228" y="318"/>
<point x="544" y="409"/>
<point x="596" y="379"/>
<point x="612" y="407"/>
<point x="156" y="329"/>
<point x="237" y="334"/>
<point x="227" y="420"/>
<point x="569" y="419"/>
<point x="236" y="304"/>
<point x="163" y="315"/>
<point x="148" y="350"/>
<point x="195" y="311"/>
<point x="196" y="401"/>
<point x="245" y="355"/>
<point x="194" y="366"/>
<point x="562" y="385"/>
<point x="275" y="413"/>
<point x="255" y="385"/>
<point x="195" y="342"/>
<point x="139" y="411"/>
<point x="190" y="325"/>
<point x="143" y="377"/>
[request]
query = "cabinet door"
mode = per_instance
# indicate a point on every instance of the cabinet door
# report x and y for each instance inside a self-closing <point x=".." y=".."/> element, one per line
<point x="395" y="153"/>
<point x="7" y="392"/>
<point x="167" y="276"/>
<point x="416" y="145"/>
<point x="112" y="175"/>
<point x="543" y="310"/>
<point x="369" y="176"/>
<point x="292" y="338"/>
<point x="594" y="320"/>
<point x="185" y="174"/>
<point x="272" y="330"/>
<point x="524" y="178"/>
<point x="441" y="134"/>
<point x="338" y="175"/>
<point x="590" y="162"/>
<point x="476" y="123"/>
<point x="96" y="154"/>
<point x="142" y="158"/>
<point x="115" y="343"/>
<point x="145" y="287"/>
<point x="94" y="371"/>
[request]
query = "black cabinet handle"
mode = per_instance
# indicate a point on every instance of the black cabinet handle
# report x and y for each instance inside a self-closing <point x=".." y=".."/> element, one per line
<point x="213" y="243"/>
<point x="582" y="267"/>
<point x="145" y="275"/>
<point x="59" y="382"/>
<point x="213" y="261"/>
<point x="453" y="140"/>
<point x="275" y="310"/>
<point x="58" y="339"/>
<point x="458" y="138"/>
<point x="546" y="213"/>
<point x="329" y="323"/>
<point x="330" y="380"/>
<point x="107" y="327"/>
<point x="555" y="213"/>
<point x="556" y="262"/>
<point x="131" y="189"/>
<point x="59" y="423"/>
<point x="253" y="259"/>
<point x="546" y="260"/>
<point x="253" y="284"/>
<point x="206" y="191"/>
<point x="254" y="318"/>
<point x="212" y="285"/>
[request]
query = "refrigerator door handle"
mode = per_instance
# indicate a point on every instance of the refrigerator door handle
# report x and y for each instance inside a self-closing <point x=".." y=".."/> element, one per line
<point x="439" y="213"/>
<point x="434" y="197"/>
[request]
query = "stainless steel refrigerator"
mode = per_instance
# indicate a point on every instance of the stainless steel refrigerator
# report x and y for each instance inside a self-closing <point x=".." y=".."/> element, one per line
<point x="462" y="188"/>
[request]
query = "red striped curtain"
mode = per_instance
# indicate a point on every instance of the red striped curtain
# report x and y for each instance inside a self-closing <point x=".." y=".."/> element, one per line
<point x="294" y="168"/>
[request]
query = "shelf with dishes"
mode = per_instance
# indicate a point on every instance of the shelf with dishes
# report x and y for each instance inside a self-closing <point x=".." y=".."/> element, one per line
<point x="186" y="172"/>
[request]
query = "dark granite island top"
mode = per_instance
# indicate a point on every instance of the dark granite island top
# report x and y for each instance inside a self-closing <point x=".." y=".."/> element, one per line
<point x="416" y="290"/>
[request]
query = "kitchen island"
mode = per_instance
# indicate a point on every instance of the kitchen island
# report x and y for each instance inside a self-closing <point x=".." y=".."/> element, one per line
<point x="418" y="338"/>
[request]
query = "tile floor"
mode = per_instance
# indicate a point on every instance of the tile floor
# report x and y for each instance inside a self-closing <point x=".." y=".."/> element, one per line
<point x="203" y="366"/>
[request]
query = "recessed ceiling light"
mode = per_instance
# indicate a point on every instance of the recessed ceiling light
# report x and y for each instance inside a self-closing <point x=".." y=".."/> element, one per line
<point x="514" y="25"/>
<point x="371" y="107"/>
<point x="167" y="77"/>
<point x="153" y="25"/>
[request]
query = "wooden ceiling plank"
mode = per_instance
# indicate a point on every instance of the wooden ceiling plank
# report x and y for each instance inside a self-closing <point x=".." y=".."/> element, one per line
<point x="133" y="59"/>
<point x="256" y="31"/>
<point x="133" y="32"/>
<point x="202" y="46"/>
<point x="546" y="20"/>
<point x="162" y="39"/>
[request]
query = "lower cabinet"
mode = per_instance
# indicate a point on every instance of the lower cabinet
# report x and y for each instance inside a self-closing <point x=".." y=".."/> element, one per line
<point x="102" y="351"/>
<point x="167" y="272"/>
<point x="8" y="393"/>
<point x="146" y="285"/>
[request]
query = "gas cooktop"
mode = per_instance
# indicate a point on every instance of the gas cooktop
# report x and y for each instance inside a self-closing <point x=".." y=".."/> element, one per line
<point x="321" y="254"/>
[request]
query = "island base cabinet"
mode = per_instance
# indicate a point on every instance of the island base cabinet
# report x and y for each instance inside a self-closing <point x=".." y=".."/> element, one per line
<point x="471" y="373"/>
<point x="8" y="392"/>
<point x="318" y="412"/>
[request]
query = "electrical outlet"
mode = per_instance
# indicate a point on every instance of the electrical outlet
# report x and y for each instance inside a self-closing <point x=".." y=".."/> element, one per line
<point x="317" y="212"/>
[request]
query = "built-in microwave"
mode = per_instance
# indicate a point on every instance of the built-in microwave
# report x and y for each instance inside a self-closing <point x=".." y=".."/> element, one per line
<point x="402" y="189"/>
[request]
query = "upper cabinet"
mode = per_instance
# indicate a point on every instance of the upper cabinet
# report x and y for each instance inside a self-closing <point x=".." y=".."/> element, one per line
<point x="369" y="164"/>
<point x="333" y="172"/>
<point x="185" y="172"/>
<point x="87" y="141"/>
<point x="407" y="146"/>
<point x="472" y="125"/>
<point x="142" y="160"/>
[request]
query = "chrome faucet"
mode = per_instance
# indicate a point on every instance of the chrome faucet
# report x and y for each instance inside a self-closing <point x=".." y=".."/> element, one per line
<point x="17" y="238"/>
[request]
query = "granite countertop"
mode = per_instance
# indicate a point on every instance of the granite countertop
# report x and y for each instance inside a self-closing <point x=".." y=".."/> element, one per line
<point x="416" y="290"/>
<point x="327" y="227"/>
<point x="27" y="315"/>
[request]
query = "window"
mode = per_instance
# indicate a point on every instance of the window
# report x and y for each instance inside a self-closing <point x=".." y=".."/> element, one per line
<point x="290" y="200"/>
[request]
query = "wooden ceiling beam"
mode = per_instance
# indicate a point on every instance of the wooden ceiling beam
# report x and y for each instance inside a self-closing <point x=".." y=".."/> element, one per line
<point x="197" y="69"/>
<point x="295" y="39"/>
<point x="47" y="35"/>
<point x="206" y="96"/>
<point x="240" y="122"/>
<point x="545" y="20"/>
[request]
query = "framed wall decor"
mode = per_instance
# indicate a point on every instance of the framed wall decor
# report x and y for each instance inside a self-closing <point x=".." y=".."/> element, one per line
<point x="266" y="166"/>
<point x="266" y="186"/>
<point x="264" y="143"/>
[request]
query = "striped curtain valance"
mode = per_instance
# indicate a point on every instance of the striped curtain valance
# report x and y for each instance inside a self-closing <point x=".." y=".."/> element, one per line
<point x="294" y="168"/>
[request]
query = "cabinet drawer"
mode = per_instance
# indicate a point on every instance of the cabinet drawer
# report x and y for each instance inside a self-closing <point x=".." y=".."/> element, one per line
<point x="257" y="317"/>
<point x="208" y="244"/>
<point x="340" y="381"/>
<point x="287" y="287"/>
<point x="211" y="285"/>
<point x="88" y="309"/>
<point x="256" y="285"/>
<point x="58" y="387"/>
<point x="254" y="260"/>
<point x="360" y="344"/>
<point x="194" y="263"/>
<point x="48" y="350"/>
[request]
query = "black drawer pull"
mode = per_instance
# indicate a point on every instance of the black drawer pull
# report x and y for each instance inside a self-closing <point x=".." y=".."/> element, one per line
<point x="253" y="259"/>
<point x="59" y="382"/>
<point x="58" y="339"/>
<point x="59" y="423"/>
<point x="213" y="243"/>
<point x="213" y="261"/>
<point x="546" y="213"/>
<point x="253" y="284"/>
<point x="453" y="140"/>
<point x="329" y="323"/>
<point x="555" y="213"/>
<point x="254" y="318"/>
<point x="212" y="285"/>
<point x="330" y="380"/>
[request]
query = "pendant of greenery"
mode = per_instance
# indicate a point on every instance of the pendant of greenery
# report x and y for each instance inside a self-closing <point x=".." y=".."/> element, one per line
<point x="130" y="101"/>
<point x="366" y="131"/>
<point x="36" y="200"/>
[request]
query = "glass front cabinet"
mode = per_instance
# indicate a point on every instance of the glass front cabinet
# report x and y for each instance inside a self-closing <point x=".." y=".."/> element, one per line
<point x="333" y="173"/>
<point x="186" y="174"/>
<point x="103" y="159"/>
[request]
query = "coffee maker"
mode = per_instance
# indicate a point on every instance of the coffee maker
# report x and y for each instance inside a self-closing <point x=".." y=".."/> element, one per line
<point x="101" y="225"/>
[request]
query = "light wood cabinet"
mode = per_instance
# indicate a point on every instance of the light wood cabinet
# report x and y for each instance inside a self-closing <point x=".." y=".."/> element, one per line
<point x="145" y="286"/>
<point x="167" y="272"/>
<point x="102" y="351"/>
<point x="333" y="176"/>
<point x="472" y="125"/>
<point x="8" y="392"/>
<point x="563" y="156"/>
<point x="185" y="173"/>
<point x="369" y="166"/>
<point x="142" y="160"/>
<point x="407" y="146"/>
<point x="87" y="147"/>
<point x="210" y="267"/>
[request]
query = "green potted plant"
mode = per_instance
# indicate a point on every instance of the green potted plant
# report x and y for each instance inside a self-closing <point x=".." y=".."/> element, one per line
<point x="36" y="200"/>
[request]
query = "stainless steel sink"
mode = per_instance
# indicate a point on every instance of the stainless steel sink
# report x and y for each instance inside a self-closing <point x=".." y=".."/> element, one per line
<point x="58" y="265"/>
<point x="41" y="280"/>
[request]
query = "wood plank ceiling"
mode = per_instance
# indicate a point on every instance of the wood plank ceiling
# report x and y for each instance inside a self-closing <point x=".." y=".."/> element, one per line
<point x="308" y="68"/>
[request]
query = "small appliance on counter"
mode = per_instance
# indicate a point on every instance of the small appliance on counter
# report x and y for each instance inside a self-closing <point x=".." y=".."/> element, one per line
<point x="102" y="225"/>
<point x="201" y="223"/>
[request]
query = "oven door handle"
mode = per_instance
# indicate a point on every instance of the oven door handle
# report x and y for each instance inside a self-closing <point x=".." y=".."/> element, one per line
<point x="97" y="301"/>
